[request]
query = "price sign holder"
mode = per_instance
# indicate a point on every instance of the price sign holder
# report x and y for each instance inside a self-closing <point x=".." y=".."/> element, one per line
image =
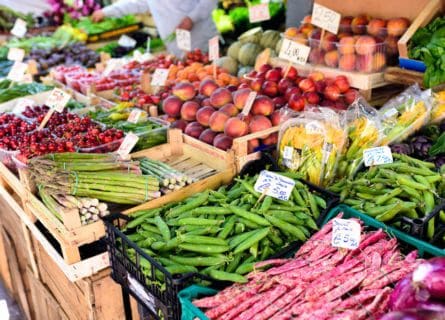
<point x="346" y="233"/>
<point x="293" y="52"/>
<point x="259" y="12"/>
<point x="17" y="71"/>
<point x="127" y="145"/>
<point x="377" y="156"/>
<point x="326" y="19"/>
<point x="134" y="116"/>
<point x="214" y="52"/>
<point x="126" y="41"/>
<point x="249" y="102"/>
<point x="184" y="40"/>
<point x="274" y="185"/>
<point x="16" y="54"/>
<point x="160" y="77"/>
<point x="19" y="28"/>
<point x="56" y="101"/>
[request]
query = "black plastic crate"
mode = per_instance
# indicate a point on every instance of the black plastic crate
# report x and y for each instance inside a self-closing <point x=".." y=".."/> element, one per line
<point x="157" y="292"/>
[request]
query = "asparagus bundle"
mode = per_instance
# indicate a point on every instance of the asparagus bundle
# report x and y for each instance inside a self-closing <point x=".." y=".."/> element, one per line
<point x="103" y="177"/>
<point x="169" y="178"/>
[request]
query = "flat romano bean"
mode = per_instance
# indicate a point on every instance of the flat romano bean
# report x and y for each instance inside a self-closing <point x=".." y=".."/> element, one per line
<point x="226" y="276"/>
<point x="384" y="198"/>
<point x="390" y="214"/>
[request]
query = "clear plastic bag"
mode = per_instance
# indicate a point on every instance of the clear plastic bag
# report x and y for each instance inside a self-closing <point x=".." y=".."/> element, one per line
<point x="438" y="110"/>
<point x="405" y="114"/>
<point x="311" y="145"/>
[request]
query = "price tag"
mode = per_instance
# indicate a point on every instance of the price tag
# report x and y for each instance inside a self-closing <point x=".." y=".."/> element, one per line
<point x="259" y="12"/>
<point x="274" y="185"/>
<point x="21" y="105"/>
<point x="16" y="54"/>
<point x="19" y="29"/>
<point x="390" y="113"/>
<point x="325" y="18"/>
<point x="126" y="41"/>
<point x="249" y="102"/>
<point x="17" y="71"/>
<point x="345" y="233"/>
<point x="112" y="64"/>
<point x="183" y="39"/>
<point x="57" y="99"/>
<point x="377" y="156"/>
<point x="288" y="153"/>
<point x="294" y="52"/>
<point x="314" y="127"/>
<point x="214" y="48"/>
<point x="127" y="145"/>
<point x="134" y="116"/>
<point x="141" y="58"/>
<point x="159" y="77"/>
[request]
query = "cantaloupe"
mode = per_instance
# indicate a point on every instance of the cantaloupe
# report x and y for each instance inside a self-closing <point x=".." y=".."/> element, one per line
<point x="228" y="63"/>
<point x="269" y="39"/>
<point x="233" y="50"/>
<point x="252" y="35"/>
<point x="248" y="53"/>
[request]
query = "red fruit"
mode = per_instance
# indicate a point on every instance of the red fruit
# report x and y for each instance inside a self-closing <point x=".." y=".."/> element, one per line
<point x="292" y="74"/>
<point x="365" y="45"/>
<point x="207" y="136"/>
<point x="172" y="106"/>
<point x="284" y="84"/>
<point x="179" y="124"/>
<point x="189" y="110"/>
<point x="222" y="142"/>
<point x="276" y="117"/>
<point x="256" y="84"/>
<point x="307" y="85"/>
<point x="296" y="102"/>
<point x="311" y="97"/>
<point x="240" y="97"/>
<point x="252" y="145"/>
<point x="206" y="102"/>
<point x="273" y="75"/>
<point x="265" y="67"/>
<point x="207" y="87"/>
<point x="291" y="91"/>
<point x="203" y="115"/>
<point x="320" y="85"/>
<point x="332" y="92"/>
<point x="316" y="76"/>
<point x="235" y="127"/>
<point x="271" y="140"/>
<point x="279" y="101"/>
<point x="217" y="121"/>
<point x="184" y="91"/>
<point x="167" y="118"/>
<point x="230" y="109"/>
<point x="194" y="129"/>
<point x="262" y="106"/>
<point x="342" y="83"/>
<point x="269" y="88"/>
<point x="350" y="96"/>
<point x="260" y="123"/>
<point x="220" y="97"/>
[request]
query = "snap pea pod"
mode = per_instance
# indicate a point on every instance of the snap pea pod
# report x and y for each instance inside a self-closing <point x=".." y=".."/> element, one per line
<point x="249" y="216"/>
<point x="226" y="276"/>
<point x="163" y="228"/>
<point x="287" y="227"/>
<point x="187" y="238"/>
<point x="199" y="261"/>
<point x="198" y="201"/>
<point x="180" y="268"/>
<point x="198" y="222"/>
<point x="252" y="240"/>
<point x="227" y="228"/>
<point x="210" y="210"/>
<point x="205" y="248"/>
<point x="231" y="267"/>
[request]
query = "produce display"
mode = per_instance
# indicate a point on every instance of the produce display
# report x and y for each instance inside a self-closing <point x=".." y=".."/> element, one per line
<point x="108" y="24"/>
<point x="223" y="233"/>
<point x="318" y="282"/>
<point x="8" y="17"/>
<point x="10" y="91"/>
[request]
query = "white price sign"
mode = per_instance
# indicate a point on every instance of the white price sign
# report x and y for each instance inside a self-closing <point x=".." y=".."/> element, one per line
<point x="126" y="41"/>
<point x="214" y="48"/>
<point x="134" y="116"/>
<point x="16" y="54"/>
<point x="19" y="28"/>
<point x="274" y="185"/>
<point x="259" y="12"/>
<point x="294" y="52"/>
<point x="377" y="156"/>
<point x="345" y="233"/>
<point x="184" y="39"/>
<point x="127" y="145"/>
<point x="17" y="71"/>
<point x="249" y="102"/>
<point x="325" y="18"/>
<point x="159" y="77"/>
<point x="57" y="100"/>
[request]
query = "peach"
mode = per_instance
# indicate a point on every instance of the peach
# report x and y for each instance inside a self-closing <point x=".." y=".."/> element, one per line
<point x="342" y="83"/>
<point x="358" y="24"/>
<point x="396" y="27"/>
<point x="207" y="87"/>
<point x="311" y="97"/>
<point x="316" y="76"/>
<point x="291" y="91"/>
<point x="332" y="92"/>
<point x="350" y="96"/>
<point x="220" y="97"/>
<point x="320" y="85"/>
<point x="273" y="74"/>
<point x="244" y="85"/>
<point x="342" y="35"/>
<point x="296" y="102"/>
<point x="264" y="68"/>
<point x="291" y="32"/>
<point x="391" y="46"/>
<point x="223" y="142"/>
<point x="206" y="102"/>
<point x="307" y="19"/>
<point x="179" y="124"/>
<point x="262" y="106"/>
<point x="315" y="35"/>
<point x="252" y="145"/>
<point x="365" y="45"/>
<point x="230" y="109"/>
<point x="194" y="129"/>
<point x="307" y="85"/>
<point x="188" y="110"/>
<point x="236" y="127"/>
<point x="306" y="29"/>
<point x="279" y="101"/>
<point x="378" y="61"/>
<point x="271" y="140"/>
<point x="347" y="62"/>
<point x="172" y="106"/>
<point x="345" y="24"/>
<point x="346" y="45"/>
<point x="256" y="84"/>
<point x="364" y="63"/>
<point x="328" y="42"/>
<point x="376" y="27"/>
<point x="316" y="56"/>
<point x="217" y="121"/>
<point x="284" y="84"/>
<point x="168" y="118"/>
<point x="331" y="59"/>
<point x="184" y="91"/>
<point x="269" y="88"/>
<point x="207" y="136"/>
<point x="240" y="97"/>
<point x="203" y="115"/>
<point x="292" y="73"/>
<point x="260" y="123"/>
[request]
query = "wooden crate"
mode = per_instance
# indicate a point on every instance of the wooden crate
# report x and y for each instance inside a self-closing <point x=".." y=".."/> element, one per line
<point x="192" y="161"/>
<point x="403" y="76"/>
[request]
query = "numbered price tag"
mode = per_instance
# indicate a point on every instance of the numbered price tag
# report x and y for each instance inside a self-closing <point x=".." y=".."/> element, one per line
<point x="159" y="77"/>
<point x="214" y="48"/>
<point x="274" y="185"/>
<point x="17" y="71"/>
<point x="377" y="156"/>
<point x="345" y="233"/>
<point x="126" y="41"/>
<point x="134" y="116"/>
<point x="183" y="39"/>
<point x="19" y="28"/>
<point x="57" y="100"/>
<point x="127" y="145"/>
<point x="259" y="12"/>
<point x="325" y="18"/>
<point x="16" y="54"/>
<point x="249" y="102"/>
<point x="294" y="52"/>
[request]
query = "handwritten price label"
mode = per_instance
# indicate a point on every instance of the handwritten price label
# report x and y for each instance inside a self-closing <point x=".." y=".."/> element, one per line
<point x="274" y="185"/>
<point x="159" y="77"/>
<point x="16" y="54"/>
<point x="127" y="145"/>
<point x="126" y="41"/>
<point x="134" y="116"/>
<point x="259" y="12"/>
<point x="345" y="233"/>
<point x="57" y="100"/>
<point x="249" y="102"/>
<point x="17" y="71"/>
<point x="19" y="28"/>
<point x="325" y="18"/>
<point x="214" y="48"/>
<point x="294" y="52"/>
<point x="183" y="39"/>
<point x="377" y="156"/>
<point x="113" y="64"/>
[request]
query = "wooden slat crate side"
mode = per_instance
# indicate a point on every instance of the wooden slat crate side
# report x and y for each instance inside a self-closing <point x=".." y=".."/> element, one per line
<point x="9" y="179"/>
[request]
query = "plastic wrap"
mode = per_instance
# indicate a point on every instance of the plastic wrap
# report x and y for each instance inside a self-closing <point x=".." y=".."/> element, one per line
<point x="405" y="114"/>
<point x="438" y="110"/>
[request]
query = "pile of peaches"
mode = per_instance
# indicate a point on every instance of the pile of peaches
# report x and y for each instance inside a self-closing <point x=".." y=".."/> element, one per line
<point x="362" y="44"/>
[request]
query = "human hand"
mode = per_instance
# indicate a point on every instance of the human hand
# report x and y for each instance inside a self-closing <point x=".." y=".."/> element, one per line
<point x="98" y="16"/>
<point x="186" y="24"/>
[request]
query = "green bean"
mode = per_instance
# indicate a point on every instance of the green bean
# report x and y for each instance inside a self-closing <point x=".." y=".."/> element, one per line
<point x="227" y="227"/>
<point x="226" y="276"/>
<point x="287" y="227"/>
<point x="200" y="261"/>
<point x="249" y="216"/>
<point x="163" y="228"/>
<point x="207" y="248"/>
<point x="187" y="238"/>
<point x="252" y="240"/>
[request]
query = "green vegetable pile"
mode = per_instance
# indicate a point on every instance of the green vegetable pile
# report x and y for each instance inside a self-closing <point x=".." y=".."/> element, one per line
<point x="222" y="233"/>
<point x="428" y="45"/>
<point x="8" y="17"/>
<point x="108" y="24"/>
<point x="20" y="90"/>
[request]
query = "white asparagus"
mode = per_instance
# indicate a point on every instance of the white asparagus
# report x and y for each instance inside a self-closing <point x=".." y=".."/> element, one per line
<point x="94" y="202"/>
<point x="93" y="210"/>
<point x="102" y="207"/>
<point x="95" y="217"/>
<point x="83" y="211"/>
<point x="88" y="215"/>
<point x="86" y="203"/>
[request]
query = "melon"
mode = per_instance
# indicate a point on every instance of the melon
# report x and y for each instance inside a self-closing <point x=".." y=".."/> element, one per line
<point x="278" y="46"/>
<point x="228" y="63"/>
<point x="248" y="53"/>
<point x="269" y="39"/>
<point x="244" y="70"/>
<point x="252" y="35"/>
<point x="234" y="50"/>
